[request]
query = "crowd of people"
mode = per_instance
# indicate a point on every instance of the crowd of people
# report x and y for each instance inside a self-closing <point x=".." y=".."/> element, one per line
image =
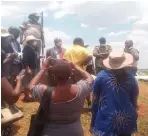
<point x="71" y="76"/>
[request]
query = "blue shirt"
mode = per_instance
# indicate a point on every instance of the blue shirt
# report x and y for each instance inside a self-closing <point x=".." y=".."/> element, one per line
<point x="114" y="105"/>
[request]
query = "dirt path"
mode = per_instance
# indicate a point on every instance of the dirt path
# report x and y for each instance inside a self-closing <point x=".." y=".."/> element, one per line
<point x="21" y="127"/>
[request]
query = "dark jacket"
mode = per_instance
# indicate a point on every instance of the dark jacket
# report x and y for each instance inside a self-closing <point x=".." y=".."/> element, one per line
<point x="53" y="52"/>
<point x="29" y="57"/>
<point x="6" y="44"/>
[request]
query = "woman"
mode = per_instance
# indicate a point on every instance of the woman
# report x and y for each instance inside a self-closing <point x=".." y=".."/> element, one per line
<point x="30" y="63"/>
<point x="115" y="95"/>
<point x="9" y="94"/>
<point x="67" y="99"/>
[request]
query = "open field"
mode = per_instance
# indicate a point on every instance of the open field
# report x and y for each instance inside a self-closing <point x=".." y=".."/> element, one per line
<point x="21" y="127"/>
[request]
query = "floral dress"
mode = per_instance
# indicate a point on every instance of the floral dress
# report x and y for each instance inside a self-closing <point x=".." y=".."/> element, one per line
<point x="114" y="109"/>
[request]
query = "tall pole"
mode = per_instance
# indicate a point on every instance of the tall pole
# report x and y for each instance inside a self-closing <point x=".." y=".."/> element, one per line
<point x="43" y="42"/>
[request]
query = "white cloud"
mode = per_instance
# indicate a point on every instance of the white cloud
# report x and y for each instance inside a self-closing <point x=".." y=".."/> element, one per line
<point x="61" y="14"/>
<point x="7" y="10"/>
<point x="95" y="14"/>
<point x="117" y="33"/>
<point x="50" y="34"/>
<point x="116" y="46"/>
<point x="54" y="5"/>
<point x="84" y="25"/>
<point x="132" y="18"/>
<point x="101" y="13"/>
<point x="22" y="8"/>
<point x="101" y="28"/>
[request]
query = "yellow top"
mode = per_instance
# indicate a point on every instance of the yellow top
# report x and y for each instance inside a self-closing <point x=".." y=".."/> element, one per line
<point x="77" y="55"/>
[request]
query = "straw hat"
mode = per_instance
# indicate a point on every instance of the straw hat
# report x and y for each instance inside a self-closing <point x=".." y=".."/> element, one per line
<point x="118" y="60"/>
<point x="4" y="32"/>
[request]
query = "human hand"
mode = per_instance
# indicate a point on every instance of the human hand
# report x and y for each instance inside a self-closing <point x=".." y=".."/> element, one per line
<point x="47" y="63"/>
<point x="13" y="54"/>
<point x="20" y="78"/>
<point x="28" y="71"/>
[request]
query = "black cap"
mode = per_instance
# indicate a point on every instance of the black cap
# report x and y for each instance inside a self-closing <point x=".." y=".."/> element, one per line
<point x="33" y="15"/>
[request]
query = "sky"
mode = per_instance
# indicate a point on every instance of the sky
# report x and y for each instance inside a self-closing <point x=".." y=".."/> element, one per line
<point x="115" y="20"/>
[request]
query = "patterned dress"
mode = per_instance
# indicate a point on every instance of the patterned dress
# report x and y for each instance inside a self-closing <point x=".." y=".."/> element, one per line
<point x="114" y="109"/>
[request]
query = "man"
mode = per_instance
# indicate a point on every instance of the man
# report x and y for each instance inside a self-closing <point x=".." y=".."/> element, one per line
<point x="8" y="51"/>
<point x="134" y="52"/>
<point x="79" y="55"/>
<point x="90" y="65"/>
<point x="30" y="63"/>
<point x="32" y="27"/>
<point x="57" y="51"/>
<point x="100" y="53"/>
<point x="16" y="64"/>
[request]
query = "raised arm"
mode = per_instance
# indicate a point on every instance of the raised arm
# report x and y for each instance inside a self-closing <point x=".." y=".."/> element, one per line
<point x="97" y="54"/>
<point x="85" y="75"/>
<point x="39" y="75"/>
<point x="11" y="95"/>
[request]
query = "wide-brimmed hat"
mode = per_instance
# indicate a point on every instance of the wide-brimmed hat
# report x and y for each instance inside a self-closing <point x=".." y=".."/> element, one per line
<point x="4" y="32"/>
<point x="30" y="38"/>
<point x="118" y="60"/>
<point x="33" y="15"/>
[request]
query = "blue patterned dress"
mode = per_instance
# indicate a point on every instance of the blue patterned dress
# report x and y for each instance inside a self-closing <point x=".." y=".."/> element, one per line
<point x="114" y="105"/>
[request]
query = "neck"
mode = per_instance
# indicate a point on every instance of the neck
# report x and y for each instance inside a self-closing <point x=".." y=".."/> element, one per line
<point x="62" y="87"/>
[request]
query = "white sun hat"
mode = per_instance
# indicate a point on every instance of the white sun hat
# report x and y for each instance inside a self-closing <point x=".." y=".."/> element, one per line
<point x="118" y="60"/>
<point x="30" y="38"/>
<point x="4" y="32"/>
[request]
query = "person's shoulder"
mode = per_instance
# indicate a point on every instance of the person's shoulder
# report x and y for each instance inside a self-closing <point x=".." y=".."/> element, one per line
<point x="64" y="49"/>
<point x="134" y="49"/>
<point x="97" y="46"/>
<point x="49" y="49"/>
<point x="27" y="47"/>
<point x="102" y="73"/>
<point x="69" y="50"/>
<point x="108" y="46"/>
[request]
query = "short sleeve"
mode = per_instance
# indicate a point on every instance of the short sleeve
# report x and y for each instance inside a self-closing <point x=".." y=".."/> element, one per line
<point x="97" y="83"/>
<point x="65" y="56"/>
<point x="85" y="87"/>
<point x="135" y="54"/>
<point x="109" y="48"/>
<point x="95" y="51"/>
<point x="97" y="88"/>
<point x="86" y="52"/>
<point x="37" y="92"/>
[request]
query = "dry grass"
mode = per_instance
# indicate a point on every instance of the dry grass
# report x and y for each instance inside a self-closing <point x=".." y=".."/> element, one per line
<point x="21" y="127"/>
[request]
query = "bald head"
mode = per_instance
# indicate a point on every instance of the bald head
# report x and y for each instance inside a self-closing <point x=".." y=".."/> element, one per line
<point x="128" y="43"/>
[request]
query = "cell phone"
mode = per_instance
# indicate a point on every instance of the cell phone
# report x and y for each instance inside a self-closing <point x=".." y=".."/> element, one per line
<point x="23" y="71"/>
